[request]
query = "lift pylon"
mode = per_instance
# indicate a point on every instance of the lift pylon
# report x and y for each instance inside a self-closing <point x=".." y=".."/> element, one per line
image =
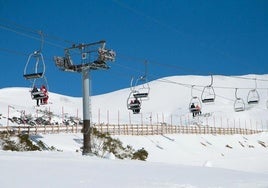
<point x="93" y="56"/>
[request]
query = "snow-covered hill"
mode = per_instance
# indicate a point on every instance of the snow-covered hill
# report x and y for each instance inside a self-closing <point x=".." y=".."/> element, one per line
<point x="169" y="98"/>
<point x="174" y="160"/>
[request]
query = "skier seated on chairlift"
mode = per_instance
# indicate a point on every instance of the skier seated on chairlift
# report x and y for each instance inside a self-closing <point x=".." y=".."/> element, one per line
<point x="135" y="106"/>
<point x="35" y="96"/>
<point x="44" y="91"/>
<point x="196" y="110"/>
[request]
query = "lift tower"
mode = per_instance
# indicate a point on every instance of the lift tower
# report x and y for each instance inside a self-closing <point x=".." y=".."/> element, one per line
<point x="93" y="56"/>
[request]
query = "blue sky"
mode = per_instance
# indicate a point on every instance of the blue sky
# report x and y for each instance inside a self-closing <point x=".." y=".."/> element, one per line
<point x="175" y="38"/>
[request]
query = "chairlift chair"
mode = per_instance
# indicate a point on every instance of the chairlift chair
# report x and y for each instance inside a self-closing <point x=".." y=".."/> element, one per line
<point x="239" y="104"/>
<point x="38" y="95"/>
<point x="38" y="84"/>
<point x="140" y="90"/>
<point x="253" y="97"/>
<point x="35" y="66"/>
<point x="208" y="94"/>
<point x="133" y="103"/>
<point x="196" y="102"/>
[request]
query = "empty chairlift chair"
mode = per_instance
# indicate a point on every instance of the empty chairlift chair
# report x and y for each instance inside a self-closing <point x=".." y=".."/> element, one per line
<point x="141" y="89"/>
<point x="208" y="94"/>
<point x="253" y="95"/>
<point x="35" y="65"/>
<point x="142" y="92"/>
<point x="239" y="104"/>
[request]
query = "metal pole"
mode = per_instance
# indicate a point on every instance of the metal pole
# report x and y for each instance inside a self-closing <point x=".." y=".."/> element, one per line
<point x="86" y="113"/>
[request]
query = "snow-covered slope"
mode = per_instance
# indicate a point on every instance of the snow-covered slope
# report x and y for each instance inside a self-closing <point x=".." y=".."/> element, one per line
<point x="168" y="98"/>
<point x="174" y="160"/>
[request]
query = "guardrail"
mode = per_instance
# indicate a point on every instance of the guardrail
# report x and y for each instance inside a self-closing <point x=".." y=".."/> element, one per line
<point x="129" y="129"/>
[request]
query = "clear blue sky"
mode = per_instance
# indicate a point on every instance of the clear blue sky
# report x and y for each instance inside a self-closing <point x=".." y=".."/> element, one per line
<point x="175" y="37"/>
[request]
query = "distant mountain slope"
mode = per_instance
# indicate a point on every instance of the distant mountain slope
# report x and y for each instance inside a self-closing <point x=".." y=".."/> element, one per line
<point x="169" y="100"/>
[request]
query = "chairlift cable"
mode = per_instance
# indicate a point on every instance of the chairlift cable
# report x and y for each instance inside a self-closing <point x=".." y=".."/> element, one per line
<point x="18" y="32"/>
<point x="14" y="52"/>
<point x="42" y="40"/>
<point x="30" y="35"/>
<point x="32" y="31"/>
<point x="129" y="58"/>
<point x="182" y="84"/>
<point x="245" y="78"/>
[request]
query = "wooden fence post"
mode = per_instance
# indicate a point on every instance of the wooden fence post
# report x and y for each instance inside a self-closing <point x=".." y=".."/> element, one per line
<point x="141" y="119"/>
<point x="108" y="118"/>
<point x="118" y="117"/>
<point x="129" y="116"/>
<point x="99" y="116"/>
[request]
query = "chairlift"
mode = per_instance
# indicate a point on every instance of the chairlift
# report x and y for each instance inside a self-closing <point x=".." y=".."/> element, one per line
<point x="133" y="103"/>
<point x="140" y="90"/>
<point x="253" y="95"/>
<point x="239" y="104"/>
<point x="35" y="65"/>
<point x="208" y="94"/>
<point x="195" y="104"/>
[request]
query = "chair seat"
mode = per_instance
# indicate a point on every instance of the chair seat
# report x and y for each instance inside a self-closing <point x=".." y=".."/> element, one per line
<point x="253" y="102"/>
<point x="239" y="109"/>
<point x="140" y="95"/>
<point x="208" y="100"/>
<point x="34" y="75"/>
<point x="38" y="95"/>
<point x="134" y="106"/>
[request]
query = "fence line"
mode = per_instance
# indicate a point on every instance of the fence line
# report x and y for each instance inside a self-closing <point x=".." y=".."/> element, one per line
<point x="207" y="119"/>
<point x="121" y="118"/>
<point x="134" y="129"/>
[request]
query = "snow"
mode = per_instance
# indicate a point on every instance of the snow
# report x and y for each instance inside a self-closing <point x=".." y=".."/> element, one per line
<point x="175" y="160"/>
